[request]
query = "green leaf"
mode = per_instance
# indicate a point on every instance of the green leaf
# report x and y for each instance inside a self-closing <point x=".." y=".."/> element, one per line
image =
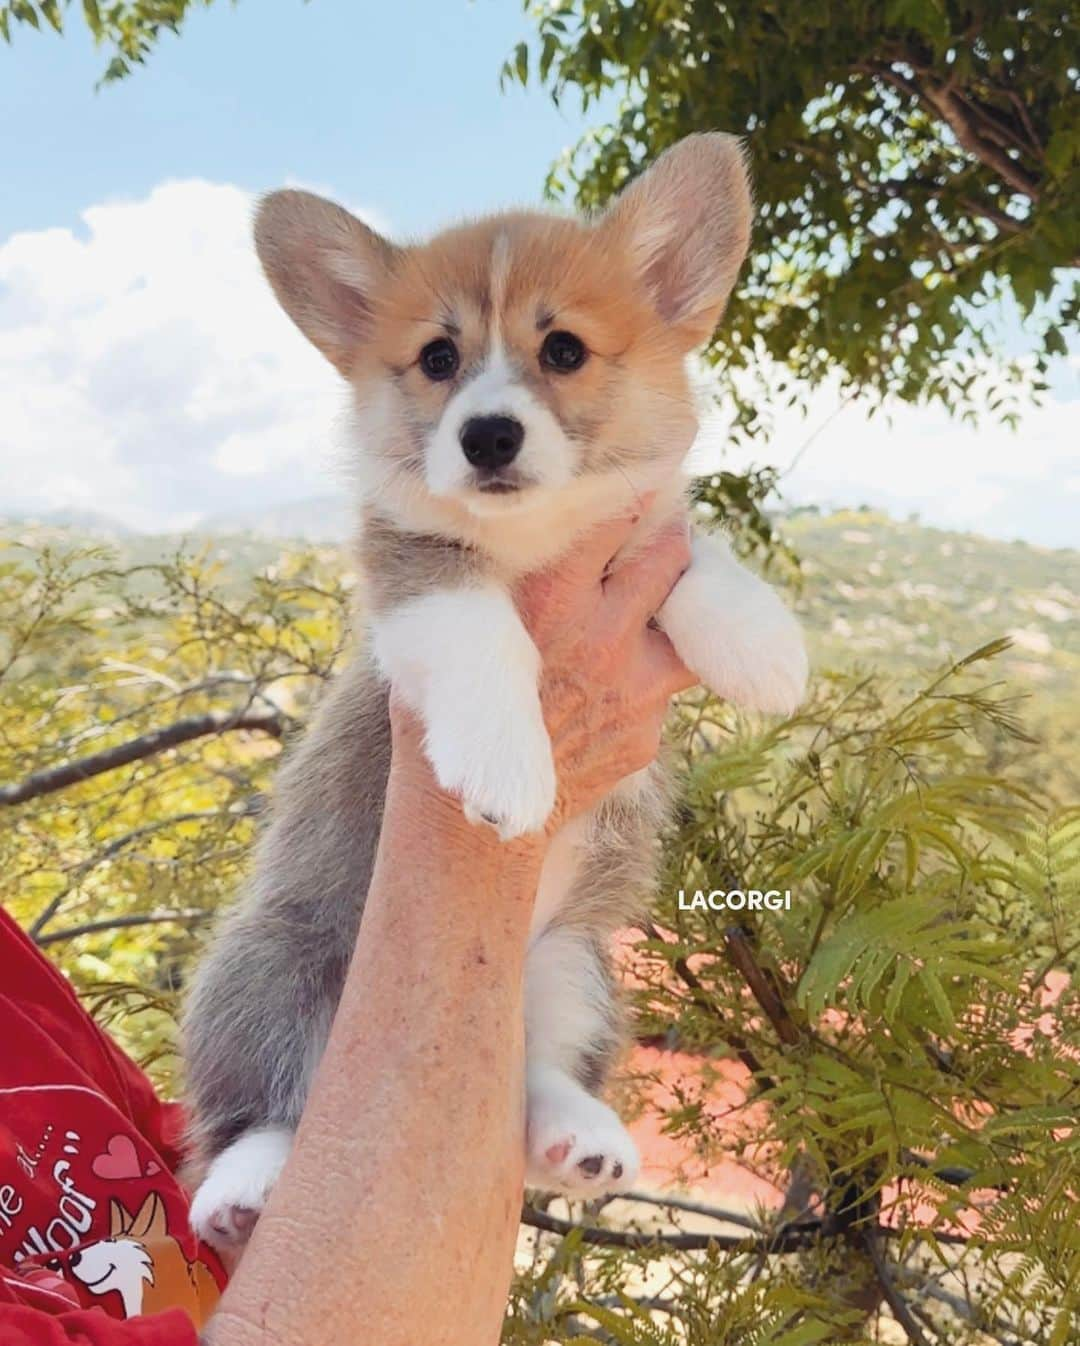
<point x="521" y="62"/>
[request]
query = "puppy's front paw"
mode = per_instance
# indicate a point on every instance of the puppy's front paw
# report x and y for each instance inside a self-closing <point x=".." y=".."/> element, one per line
<point x="500" y="766"/>
<point x="230" y="1200"/>
<point x="733" y="631"/>
<point x="766" y="666"/>
<point x="576" y="1144"/>
<point x="463" y="659"/>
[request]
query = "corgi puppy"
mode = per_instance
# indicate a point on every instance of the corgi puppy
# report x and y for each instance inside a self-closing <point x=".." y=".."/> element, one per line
<point x="513" y="381"/>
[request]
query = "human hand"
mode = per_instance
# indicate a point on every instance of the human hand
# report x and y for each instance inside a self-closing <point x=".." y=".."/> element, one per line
<point x="608" y="674"/>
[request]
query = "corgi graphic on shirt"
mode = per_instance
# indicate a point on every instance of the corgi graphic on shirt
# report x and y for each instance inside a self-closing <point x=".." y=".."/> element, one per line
<point x="91" y="1216"/>
<point x="142" y="1263"/>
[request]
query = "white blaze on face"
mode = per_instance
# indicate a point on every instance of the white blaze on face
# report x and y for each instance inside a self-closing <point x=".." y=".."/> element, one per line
<point x="547" y="457"/>
<point x="500" y="274"/>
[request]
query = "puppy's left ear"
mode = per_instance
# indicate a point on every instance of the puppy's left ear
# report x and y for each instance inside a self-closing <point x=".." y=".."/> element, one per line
<point x="686" y="224"/>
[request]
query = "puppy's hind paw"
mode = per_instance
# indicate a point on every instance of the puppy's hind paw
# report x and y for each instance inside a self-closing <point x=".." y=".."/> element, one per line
<point x="226" y="1226"/>
<point x="576" y="1144"/>
<point x="231" y="1198"/>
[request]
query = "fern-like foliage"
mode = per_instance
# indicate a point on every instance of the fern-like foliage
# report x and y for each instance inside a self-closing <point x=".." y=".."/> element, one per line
<point x="897" y="1053"/>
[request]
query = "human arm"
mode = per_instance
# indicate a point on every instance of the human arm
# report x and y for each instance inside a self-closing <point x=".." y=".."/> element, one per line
<point x="394" y="1219"/>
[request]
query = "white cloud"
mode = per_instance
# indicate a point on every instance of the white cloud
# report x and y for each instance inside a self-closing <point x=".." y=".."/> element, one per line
<point x="986" y="479"/>
<point x="146" y="370"/>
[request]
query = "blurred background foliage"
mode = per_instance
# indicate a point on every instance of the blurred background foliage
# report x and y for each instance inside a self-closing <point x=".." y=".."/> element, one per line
<point x="127" y="29"/>
<point x="904" y="1039"/>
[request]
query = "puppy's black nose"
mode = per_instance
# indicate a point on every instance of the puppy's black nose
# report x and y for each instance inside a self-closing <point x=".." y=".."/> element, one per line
<point x="490" y="442"/>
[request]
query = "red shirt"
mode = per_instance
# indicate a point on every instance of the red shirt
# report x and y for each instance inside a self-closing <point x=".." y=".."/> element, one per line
<point x="95" y="1247"/>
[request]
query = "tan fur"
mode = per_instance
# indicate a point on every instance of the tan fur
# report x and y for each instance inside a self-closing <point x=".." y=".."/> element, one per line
<point x="560" y="274"/>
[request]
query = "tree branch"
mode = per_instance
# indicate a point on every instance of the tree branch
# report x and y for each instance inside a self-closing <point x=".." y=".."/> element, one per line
<point x="893" y="1297"/>
<point x="1025" y="119"/>
<point x="962" y="120"/>
<point x="120" y="923"/>
<point x="964" y="1308"/>
<point x="996" y="217"/>
<point x="693" y="1207"/>
<point x="762" y="986"/>
<point x="789" y="1239"/>
<point x="272" y="722"/>
<point x="735" y="1040"/>
<point x="999" y="126"/>
<point x="112" y="848"/>
<point x="902" y="188"/>
<point x="965" y="127"/>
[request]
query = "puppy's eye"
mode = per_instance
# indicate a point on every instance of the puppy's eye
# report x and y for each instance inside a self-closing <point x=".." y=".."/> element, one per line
<point x="563" y="352"/>
<point x="439" y="359"/>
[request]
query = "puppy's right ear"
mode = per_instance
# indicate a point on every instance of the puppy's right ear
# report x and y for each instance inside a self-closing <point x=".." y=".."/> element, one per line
<point x="685" y="223"/>
<point x="324" y="266"/>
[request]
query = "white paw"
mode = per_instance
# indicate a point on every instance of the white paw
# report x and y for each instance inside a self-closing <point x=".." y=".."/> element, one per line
<point x="233" y="1193"/>
<point x="576" y="1144"/>
<point x="497" y="759"/>
<point x="734" y="632"/>
<point x="462" y="658"/>
<point x="765" y="667"/>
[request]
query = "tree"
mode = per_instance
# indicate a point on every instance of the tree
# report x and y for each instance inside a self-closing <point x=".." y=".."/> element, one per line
<point x="915" y="162"/>
<point x="130" y="28"/>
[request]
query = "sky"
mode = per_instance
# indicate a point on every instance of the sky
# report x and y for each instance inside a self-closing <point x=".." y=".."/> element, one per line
<point x="145" y="371"/>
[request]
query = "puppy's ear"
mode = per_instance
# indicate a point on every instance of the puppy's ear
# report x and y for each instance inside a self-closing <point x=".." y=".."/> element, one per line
<point x="686" y="225"/>
<point x="325" y="266"/>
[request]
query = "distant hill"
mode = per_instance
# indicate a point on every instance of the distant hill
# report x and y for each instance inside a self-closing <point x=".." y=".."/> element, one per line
<point x="897" y="597"/>
<point x="86" y="521"/>
<point x="904" y="598"/>
<point x="317" y="519"/>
